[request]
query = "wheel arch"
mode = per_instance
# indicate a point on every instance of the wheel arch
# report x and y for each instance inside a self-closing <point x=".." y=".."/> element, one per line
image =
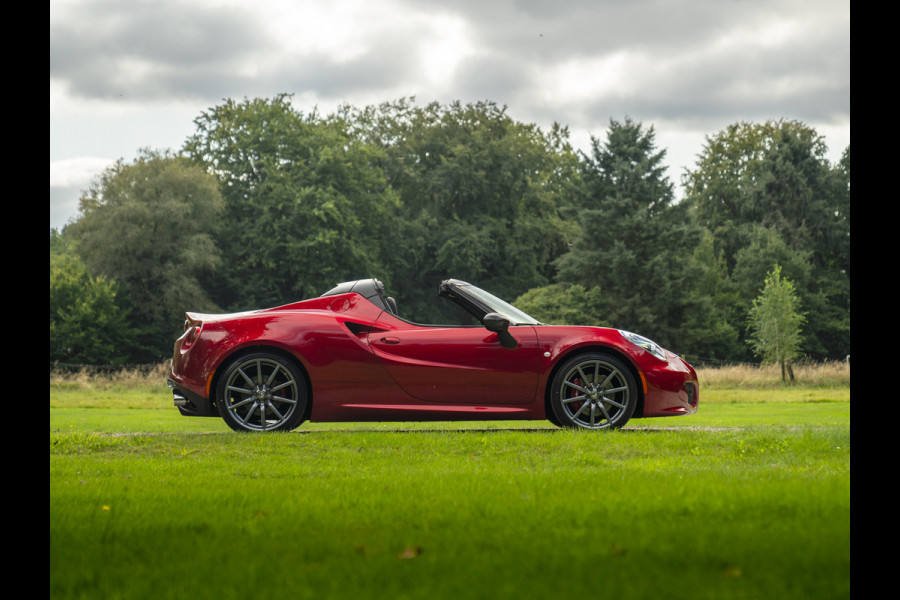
<point x="592" y="348"/>
<point x="251" y="349"/>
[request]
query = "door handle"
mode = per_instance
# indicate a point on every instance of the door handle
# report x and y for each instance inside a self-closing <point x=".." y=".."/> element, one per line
<point x="390" y="340"/>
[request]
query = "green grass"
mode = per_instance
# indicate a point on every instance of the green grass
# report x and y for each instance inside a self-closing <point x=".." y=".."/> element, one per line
<point x="746" y="499"/>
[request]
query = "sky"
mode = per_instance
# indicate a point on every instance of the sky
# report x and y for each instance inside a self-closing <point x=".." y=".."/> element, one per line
<point x="132" y="74"/>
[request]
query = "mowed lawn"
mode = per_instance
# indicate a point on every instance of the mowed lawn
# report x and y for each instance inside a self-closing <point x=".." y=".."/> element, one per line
<point x="750" y="498"/>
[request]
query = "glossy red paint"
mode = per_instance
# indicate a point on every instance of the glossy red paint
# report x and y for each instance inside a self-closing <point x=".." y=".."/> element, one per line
<point x="457" y="365"/>
<point x="363" y="363"/>
<point x="665" y="379"/>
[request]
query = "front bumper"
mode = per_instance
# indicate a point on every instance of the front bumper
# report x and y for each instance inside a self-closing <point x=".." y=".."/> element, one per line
<point x="672" y="389"/>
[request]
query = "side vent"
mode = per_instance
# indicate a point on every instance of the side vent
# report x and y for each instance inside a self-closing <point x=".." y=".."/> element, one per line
<point x="358" y="329"/>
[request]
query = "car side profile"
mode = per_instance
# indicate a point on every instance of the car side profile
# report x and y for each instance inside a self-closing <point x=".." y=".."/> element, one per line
<point x="349" y="356"/>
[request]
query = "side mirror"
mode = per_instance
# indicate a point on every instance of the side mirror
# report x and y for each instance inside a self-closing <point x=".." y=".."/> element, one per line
<point x="500" y="325"/>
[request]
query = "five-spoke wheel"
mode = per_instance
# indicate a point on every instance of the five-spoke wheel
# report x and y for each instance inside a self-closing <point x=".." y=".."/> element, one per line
<point x="262" y="392"/>
<point x="593" y="391"/>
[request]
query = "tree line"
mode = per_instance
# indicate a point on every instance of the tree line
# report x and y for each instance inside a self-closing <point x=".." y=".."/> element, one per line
<point x="264" y="205"/>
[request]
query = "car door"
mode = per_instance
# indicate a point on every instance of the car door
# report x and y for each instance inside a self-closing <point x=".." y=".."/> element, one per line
<point x="458" y="365"/>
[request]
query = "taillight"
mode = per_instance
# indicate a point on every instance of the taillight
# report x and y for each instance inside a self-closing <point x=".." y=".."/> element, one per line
<point x="192" y="332"/>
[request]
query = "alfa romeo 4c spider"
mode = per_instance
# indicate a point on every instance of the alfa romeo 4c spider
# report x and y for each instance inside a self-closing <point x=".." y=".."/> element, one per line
<point x="350" y="356"/>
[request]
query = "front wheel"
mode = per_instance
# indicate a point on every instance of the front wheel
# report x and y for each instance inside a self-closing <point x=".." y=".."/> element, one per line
<point x="593" y="391"/>
<point x="262" y="392"/>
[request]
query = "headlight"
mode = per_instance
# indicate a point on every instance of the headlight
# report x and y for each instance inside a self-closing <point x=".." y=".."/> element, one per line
<point x="648" y="345"/>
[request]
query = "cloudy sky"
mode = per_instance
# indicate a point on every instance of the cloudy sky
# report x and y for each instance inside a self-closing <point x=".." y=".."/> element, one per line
<point x="128" y="74"/>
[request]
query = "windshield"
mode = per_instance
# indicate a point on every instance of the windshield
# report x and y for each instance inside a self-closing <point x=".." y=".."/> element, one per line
<point x="515" y="316"/>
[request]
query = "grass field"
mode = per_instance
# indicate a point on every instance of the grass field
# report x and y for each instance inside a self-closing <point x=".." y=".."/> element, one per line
<point x="750" y="498"/>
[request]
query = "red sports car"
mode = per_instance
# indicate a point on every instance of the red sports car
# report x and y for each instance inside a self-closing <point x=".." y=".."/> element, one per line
<point x="348" y="355"/>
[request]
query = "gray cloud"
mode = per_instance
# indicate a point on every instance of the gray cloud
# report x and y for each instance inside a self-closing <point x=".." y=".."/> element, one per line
<point x="682" y="74"/>
<point x="152" y="50"/>
<point x="64" y="205"/>
<point x="692" y="67"/>
<point x="163" y="50"/>
<point x="335" y="79"/>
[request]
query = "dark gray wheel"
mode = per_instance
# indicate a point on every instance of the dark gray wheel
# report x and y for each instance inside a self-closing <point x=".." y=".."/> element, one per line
<point x="262" y="392"/>
<point x="593" y="391"/>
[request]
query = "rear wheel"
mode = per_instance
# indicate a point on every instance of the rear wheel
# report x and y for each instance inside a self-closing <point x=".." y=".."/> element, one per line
<point x="262" y="392"/>
<point x="593" y="391"/>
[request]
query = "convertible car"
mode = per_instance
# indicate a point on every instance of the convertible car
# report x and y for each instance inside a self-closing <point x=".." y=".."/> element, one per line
<point x="349" y="355"/>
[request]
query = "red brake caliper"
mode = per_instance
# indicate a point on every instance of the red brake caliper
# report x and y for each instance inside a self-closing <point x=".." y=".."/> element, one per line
<point x="573" y="392"/>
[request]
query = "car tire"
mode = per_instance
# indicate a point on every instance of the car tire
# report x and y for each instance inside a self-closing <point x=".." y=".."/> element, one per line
<point x="593" y="391"/>
<point x="551" y="416"/>
<point x="262" y="392"/>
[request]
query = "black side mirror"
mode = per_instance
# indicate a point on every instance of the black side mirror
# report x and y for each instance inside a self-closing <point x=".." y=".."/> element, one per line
<point x="500" y="325"/>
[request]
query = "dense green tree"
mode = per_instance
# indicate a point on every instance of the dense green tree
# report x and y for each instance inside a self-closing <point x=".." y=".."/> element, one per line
<point x="149" y="227"/>
<point x="774" y="177"/>
<point x="563" y="304"/>
<point x="776" y="323"/>
<point x="306" y="202"/>
<point x="752" y="174"/>
<point x="634" y="243"/>
<point x="714" y="321"/>
<point x="87" y="324"/>
<point x="479" y="196"/>
<point x="268" y="205"/>
<point x="841" y="207"/>
<point x="827" y="332"/>
<point x="765" y="247"/>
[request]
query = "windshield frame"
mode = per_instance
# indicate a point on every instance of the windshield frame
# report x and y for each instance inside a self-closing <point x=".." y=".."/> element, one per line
<point x="494" y="304"/>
